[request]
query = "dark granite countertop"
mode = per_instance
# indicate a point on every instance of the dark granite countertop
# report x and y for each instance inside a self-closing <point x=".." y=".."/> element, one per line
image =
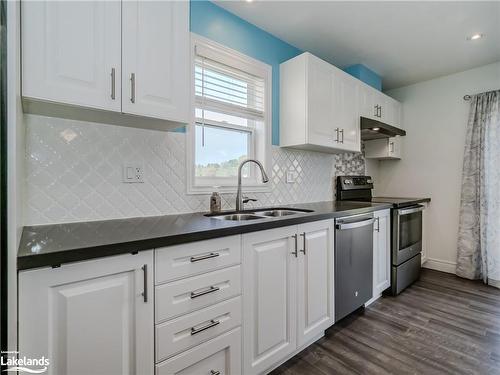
<point x="52" y="245"/>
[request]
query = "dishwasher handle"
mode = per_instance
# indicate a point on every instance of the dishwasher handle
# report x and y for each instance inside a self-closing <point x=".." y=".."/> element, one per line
<point x="356" y="224"/>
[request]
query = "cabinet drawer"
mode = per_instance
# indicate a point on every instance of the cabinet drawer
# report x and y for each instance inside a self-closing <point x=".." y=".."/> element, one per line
<point x="189" y="330"/>
<point x="182" y="296"/>
<point x="220" y="355"/>
<point x="184" y="260"/>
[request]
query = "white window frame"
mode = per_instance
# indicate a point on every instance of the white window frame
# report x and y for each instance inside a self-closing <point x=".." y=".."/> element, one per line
<point x="245" y="63"/>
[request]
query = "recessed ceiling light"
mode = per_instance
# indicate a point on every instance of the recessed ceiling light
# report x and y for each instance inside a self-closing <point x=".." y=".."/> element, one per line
<point x="249" y="1"/>
<point x="376" y="129"/>
<point x="475" y="36"/>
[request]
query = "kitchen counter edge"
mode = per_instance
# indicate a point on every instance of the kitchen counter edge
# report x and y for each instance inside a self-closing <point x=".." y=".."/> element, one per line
<point x="37" y="236"/>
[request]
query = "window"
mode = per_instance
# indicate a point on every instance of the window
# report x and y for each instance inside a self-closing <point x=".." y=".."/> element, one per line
<point x="232" y="113"/>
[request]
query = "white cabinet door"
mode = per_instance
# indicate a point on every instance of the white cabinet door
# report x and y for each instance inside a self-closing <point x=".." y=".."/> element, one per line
<point x="269" y="298"/>
<point x="315" y="280"/>
<point x="156" y="62"/>
<point x="321" y="129"/>
<point x="388" y="110"/>
<point x="394" y="146"/>
<point x="368" y="102"/>
<point x="381" y="252"/>
<point x="71" y="52"/>
<point x="346" y="110"/>
<point x="90" y="316"/>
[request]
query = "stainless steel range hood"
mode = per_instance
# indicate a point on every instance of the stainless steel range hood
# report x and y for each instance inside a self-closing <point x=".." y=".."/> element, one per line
<point x="374" y="129"/>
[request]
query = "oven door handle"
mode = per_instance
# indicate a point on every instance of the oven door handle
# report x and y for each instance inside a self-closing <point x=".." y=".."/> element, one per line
<point x="356" y="224"/>
<point x="412" y="210"/>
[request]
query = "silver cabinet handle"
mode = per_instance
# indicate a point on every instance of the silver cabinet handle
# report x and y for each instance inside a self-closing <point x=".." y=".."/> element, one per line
<point x="113" y="82"/>
<point x="296" y="240"/>
<point x="391" y="147"/>
<point x="377" y="229"/>
<point x="132" y="87"/>
<point x="304" y="243"/>
<point x="380" y="111"/>
<point x="204" y="257"/>
<point x="211" y="324"/>
<point x="376" y="110"/>
<point x="145" y="290"/>
<point x="410" y="210"/>
<point x="357" y="224"/>
<point x="342" y="132"/>
<point x="203" y="292"/>
<point x="337" y="134"/>
<point x="214" y="372"/>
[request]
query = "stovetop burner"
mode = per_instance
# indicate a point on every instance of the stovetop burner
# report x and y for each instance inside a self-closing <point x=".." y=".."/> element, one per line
<point x="359" y="188"/>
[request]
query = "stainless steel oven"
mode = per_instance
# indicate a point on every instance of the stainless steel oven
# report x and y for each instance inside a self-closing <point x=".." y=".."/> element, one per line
<point x="406" y="233"/>
<point x="406" y="246"/>
<point x="406" y="227"/>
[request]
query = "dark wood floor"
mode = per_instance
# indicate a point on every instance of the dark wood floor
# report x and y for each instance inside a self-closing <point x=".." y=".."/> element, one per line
<point x="440" y="325"/>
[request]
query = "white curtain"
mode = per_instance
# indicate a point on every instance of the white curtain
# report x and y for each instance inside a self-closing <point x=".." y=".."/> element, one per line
<point x="478" y="254"/>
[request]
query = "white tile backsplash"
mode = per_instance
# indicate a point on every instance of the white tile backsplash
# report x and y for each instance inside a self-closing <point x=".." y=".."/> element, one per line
<point x="74" y="173"/>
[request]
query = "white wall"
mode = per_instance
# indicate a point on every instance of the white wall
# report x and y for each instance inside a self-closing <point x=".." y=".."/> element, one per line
<point x="435" y="119"/>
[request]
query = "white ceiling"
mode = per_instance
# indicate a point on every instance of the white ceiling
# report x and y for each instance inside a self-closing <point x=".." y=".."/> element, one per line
<point x="404" y="42"/>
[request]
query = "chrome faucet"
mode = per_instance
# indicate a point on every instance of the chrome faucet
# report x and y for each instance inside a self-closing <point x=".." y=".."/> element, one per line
<point x="239" y="198"/>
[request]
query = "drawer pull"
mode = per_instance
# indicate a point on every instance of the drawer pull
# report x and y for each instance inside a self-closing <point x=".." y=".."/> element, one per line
<point x="214" y="372"/>
<point x="203" y="292"/>
<point x="211" y="324"/>
<point x="203" y="257"/>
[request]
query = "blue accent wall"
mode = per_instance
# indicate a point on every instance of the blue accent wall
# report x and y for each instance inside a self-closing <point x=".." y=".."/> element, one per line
<point x="366" y="75"/>
<point x="221" y="26"/>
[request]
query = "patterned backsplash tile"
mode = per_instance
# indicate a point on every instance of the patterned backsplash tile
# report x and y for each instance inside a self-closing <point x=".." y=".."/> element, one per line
<point x="74" y="173"/>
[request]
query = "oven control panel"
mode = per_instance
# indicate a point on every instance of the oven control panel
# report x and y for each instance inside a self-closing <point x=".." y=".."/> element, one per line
<point x="354" y="182"/>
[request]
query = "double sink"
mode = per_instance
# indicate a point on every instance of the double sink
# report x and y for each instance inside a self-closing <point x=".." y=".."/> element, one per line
<point x="259" y="214"/>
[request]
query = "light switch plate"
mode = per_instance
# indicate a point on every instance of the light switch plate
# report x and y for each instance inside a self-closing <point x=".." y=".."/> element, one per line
<point x="133" y="173"/>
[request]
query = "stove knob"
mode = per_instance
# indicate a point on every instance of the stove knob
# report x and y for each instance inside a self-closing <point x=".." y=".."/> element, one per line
<point x="370" y="181"/>
<point x="348" y="182"/>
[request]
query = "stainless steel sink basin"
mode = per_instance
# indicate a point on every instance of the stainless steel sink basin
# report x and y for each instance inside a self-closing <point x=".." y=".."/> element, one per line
<point x="238" y="217"/>
<point x="277" y="213"/>
<point x="263" y="214"/>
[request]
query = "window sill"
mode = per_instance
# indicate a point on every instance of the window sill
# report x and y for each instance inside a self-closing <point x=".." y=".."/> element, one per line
<point x="201" y="190"/>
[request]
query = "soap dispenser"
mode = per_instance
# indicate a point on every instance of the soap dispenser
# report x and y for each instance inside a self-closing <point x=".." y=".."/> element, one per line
<point x="215" y="201"/>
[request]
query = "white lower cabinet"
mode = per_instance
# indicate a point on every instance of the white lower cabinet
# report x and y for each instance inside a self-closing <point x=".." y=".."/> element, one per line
<point x="381" y="252"/>
<point x="98" y="315"/>
<point x="198" y="307"/>
<point x="94" y="316"/>
<point x="287" y="291"/>
<point x="219" y="356"/>
<point x="192" y="329"/>
<point x="315" y="280"/>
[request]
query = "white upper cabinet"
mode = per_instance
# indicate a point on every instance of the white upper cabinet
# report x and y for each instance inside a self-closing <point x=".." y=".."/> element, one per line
<point x="378" y="106"/>
<point x="156" y="59"/>
<point x="383" y="148"/>
<point x="71" y="52"/>
<point x="318" y="106"/>
<point x="346" y="110"/>
<point x="319" y="116"/>
<point x="123" y="57"/>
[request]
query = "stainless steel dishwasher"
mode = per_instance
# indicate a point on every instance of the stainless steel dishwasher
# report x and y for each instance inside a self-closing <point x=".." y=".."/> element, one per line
<point x="353" y="263"/>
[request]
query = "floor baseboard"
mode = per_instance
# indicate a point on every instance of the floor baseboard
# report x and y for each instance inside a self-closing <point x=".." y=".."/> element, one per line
<point x="440" y="265"/>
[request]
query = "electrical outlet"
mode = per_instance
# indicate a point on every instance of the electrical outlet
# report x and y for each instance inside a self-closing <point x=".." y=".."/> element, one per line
<point x="291" y="176"/>
<point x="133" y="173"/>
